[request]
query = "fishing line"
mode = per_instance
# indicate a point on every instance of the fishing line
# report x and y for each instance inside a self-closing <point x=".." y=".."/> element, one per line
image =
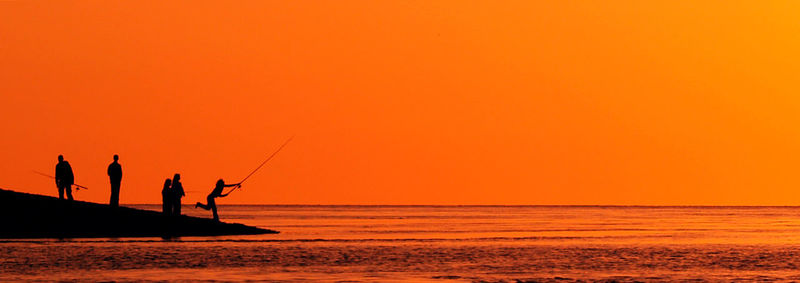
<point x="262" y="164"/>
<point x="51" y="177"/>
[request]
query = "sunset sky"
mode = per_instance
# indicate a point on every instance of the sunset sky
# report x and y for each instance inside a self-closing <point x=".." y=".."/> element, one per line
<point x="407" y="102"/>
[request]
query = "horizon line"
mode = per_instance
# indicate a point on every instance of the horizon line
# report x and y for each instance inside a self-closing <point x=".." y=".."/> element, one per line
<point x="498" y="205"/>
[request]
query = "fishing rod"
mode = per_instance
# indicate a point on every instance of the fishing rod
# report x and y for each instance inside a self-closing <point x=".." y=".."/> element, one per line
<point x="78" y="187"/>
<point x="262" y="164"/>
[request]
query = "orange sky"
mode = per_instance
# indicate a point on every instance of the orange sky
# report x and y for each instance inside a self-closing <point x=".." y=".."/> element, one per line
<point x="401" y="102"/>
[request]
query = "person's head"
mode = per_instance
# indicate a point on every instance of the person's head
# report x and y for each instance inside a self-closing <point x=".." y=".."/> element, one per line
<point x="220" y="183"/>
<point x="116" y="158"/>
<point x="60" y="158"/>
<point x="167" y="183"/>
<point x="177" y="177"/>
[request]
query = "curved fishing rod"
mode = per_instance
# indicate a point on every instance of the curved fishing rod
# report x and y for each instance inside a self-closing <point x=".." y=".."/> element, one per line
<point x="262" y="164"/>
<point x="51" y="177"/>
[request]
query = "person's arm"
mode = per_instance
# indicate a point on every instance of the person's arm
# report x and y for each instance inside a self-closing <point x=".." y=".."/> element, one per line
<point x="70" y="175"/>
<point x="237" y="185"/>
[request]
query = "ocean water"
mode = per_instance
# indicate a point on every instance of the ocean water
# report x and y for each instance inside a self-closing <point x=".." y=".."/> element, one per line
<point x="439" y="244"/>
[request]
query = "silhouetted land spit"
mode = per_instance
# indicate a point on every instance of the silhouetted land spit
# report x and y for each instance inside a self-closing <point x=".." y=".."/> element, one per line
<point x="36" y="216"/>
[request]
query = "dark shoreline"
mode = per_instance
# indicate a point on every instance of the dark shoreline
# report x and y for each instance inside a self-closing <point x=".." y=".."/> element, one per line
<point x="27" y="216"/>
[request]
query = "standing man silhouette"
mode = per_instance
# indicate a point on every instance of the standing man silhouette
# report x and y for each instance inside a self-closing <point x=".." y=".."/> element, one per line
<point x="177" y="194"/>
<point x="115" y="176"/>
<point x="64" y="178"/>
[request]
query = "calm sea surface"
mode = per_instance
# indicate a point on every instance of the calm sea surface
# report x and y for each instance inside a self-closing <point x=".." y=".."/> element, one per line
<point x="439" y="244"/>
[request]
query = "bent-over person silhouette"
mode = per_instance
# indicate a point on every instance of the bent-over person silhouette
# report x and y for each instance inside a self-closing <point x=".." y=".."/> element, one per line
<point x="216" y="193"/>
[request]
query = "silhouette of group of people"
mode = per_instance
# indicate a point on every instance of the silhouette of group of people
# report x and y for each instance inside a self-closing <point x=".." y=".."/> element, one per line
<point x="65" y="179"/>
<point x="171" y="194"/>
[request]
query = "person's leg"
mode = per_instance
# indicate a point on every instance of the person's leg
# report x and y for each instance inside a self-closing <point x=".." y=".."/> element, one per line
<point x="114" y="195"/>
<point x="69" y="192"/>
<point x="60" y="192"/>
<point x="178" y="207"/>
<point x="203" y="206"/>
<point x="213" y="206"/>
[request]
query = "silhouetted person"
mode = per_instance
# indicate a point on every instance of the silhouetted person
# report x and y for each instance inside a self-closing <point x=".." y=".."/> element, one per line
<point x="115" y="176"/>
<point x="216" y="193"/>
<point x="64" y="178"/>
<point x="177" y="194"/>
<point x="166" y="197"/>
